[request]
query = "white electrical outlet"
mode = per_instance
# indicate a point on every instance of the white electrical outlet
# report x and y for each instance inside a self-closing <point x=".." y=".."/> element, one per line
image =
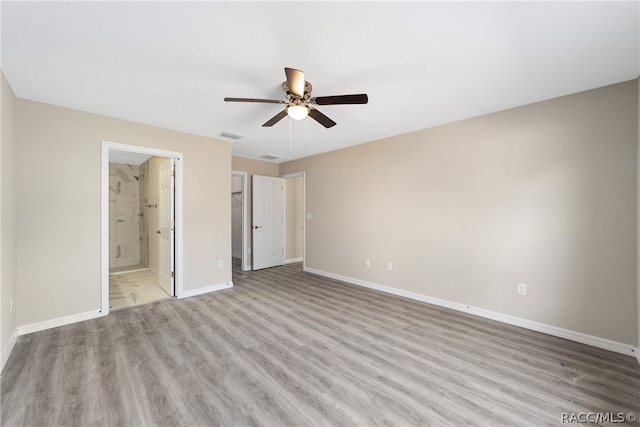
<point x="10" y="305"/>
<point x="220" y="264"/>
<point x="367" y="262"/>
<point x="248" y="251"/>
<point x="522" y="289"/>
<point x="389" y="266"/>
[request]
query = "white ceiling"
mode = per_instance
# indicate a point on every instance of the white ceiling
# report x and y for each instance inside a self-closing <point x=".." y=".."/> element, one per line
<point x="421" y="63"/>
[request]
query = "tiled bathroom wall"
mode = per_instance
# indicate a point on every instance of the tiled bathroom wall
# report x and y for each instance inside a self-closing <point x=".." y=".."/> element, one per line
<point x="144" y="210"/>
<point x="124" y="215"/>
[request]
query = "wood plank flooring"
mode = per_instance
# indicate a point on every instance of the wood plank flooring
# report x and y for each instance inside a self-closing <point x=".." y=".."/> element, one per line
<point x="287" y="348"/>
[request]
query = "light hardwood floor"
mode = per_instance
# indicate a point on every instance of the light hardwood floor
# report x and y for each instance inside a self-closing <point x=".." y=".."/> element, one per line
<point x="284" y="347"/>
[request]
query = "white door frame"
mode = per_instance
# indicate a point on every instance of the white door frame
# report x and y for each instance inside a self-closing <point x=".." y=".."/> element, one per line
<point x="304" y="215"/>
<point x="246" y="256"/>
<point x="107" y="147"/>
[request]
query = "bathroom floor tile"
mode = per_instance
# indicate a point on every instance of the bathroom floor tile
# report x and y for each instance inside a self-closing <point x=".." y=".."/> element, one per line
<point x="128" y="289"/>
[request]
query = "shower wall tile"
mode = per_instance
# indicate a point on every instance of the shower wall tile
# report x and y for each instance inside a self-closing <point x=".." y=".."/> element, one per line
<point x="129" y="190"/>
<point x="144" y="212"/>
<point x="124" y="221"/>
<point x="112" y="212"/>
<point x="112" y="254"/>
<point x="128" y="249"/>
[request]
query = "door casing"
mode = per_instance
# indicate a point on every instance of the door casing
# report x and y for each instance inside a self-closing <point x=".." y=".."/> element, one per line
<point x="108" y="146"/>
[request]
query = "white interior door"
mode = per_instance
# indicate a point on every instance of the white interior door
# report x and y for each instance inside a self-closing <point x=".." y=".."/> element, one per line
<point x="167" y="226"/>
<point x="268" y="221"/>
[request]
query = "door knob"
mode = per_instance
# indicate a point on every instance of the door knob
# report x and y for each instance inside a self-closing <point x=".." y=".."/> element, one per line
<point x="257" y="226"/>
<point x="158" y="232"/>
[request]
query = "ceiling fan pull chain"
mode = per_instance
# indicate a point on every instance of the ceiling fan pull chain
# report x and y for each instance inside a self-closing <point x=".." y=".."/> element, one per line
<point x="305" y="134"/>
<point x="290" y="140"/>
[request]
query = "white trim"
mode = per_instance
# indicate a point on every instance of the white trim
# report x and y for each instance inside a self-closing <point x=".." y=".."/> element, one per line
<point x="104" y="216"/>
<point x="60" y="321"/>
<point x="6" y="351"/>
<point x="504" y="318"/>
<point x="637" y="351"/>
<point x="245" y="256"/>
<point x="205" y="290"/>
<point x="290" y="260"/>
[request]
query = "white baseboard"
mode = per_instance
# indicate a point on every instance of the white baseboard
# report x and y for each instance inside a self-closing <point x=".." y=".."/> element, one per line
<point x="60" y="321"/>
<point x="8" y="348"/>
<point x="637" y="350"/>
<point x="205" y="290"/>
<point x="154" y="271"/>
<point x="504" y="318"/>
<point x="290" y="260"/>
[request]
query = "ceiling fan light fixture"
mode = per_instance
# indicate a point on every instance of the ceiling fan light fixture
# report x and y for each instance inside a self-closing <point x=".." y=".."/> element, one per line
<point x="299" y="102"/>
<point x="297" y="112"/>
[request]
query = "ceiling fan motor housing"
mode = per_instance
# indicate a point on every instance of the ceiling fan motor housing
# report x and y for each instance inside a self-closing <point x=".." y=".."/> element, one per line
<point x="307" y="91"/>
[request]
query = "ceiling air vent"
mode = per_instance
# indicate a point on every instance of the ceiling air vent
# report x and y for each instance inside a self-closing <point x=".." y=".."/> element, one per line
<point x="270" y="157"/>
<point x="230" y="135"/>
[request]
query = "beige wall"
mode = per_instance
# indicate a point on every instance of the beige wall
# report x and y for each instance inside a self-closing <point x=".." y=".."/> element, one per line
<point x="543" y="195"/>
<point x="294" y="218"/>
<point x="8" y="218"/>
<point x="59" y="157"/>
<point x="253" y="167"/>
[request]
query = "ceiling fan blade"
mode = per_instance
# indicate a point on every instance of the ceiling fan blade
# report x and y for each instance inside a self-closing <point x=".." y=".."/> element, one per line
<point x="321" y="118"/>
<point x="266" y="101"/>
<point x="275" y="119"/>
<point x="360" y="98"/>
<point x="295" y="80"/>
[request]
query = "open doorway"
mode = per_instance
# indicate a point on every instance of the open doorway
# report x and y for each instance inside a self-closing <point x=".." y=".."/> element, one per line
<point x="131" y="186"/>
<point x="295" y="218"/>
<point x="141" y="211"/>
<point x="244" y="220"/>
<point x="240" y="249"/>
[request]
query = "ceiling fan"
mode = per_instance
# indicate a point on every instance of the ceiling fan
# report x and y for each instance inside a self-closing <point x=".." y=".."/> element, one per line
<point x="300" y="103"/>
